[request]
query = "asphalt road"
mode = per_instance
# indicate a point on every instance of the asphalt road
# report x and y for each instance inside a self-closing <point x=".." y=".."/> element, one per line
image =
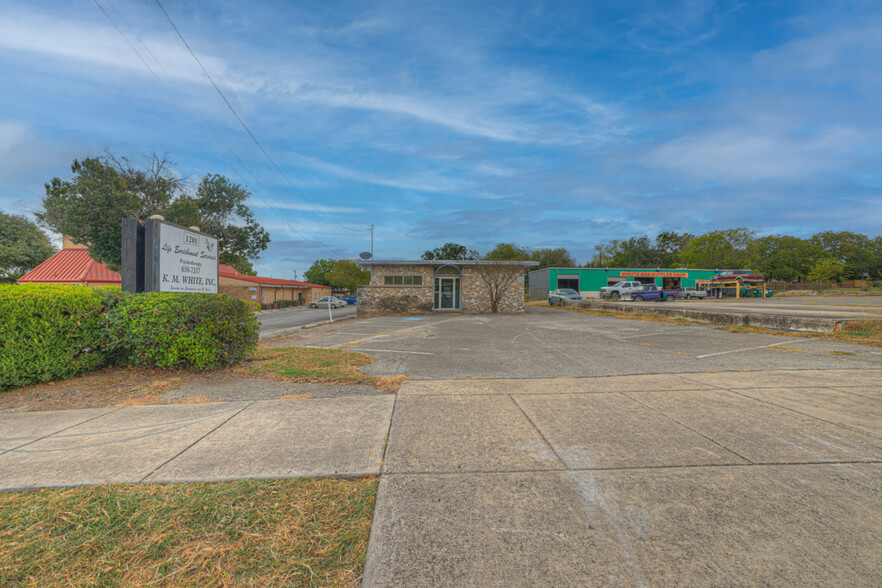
<point x="277" y="322"/>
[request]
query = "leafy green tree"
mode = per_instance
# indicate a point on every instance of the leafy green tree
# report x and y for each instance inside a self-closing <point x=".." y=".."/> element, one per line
<point x="826" y="268"/>
<point x="633" y="252"/>
<point x="319" y="270"/>
<point x="852" y="250"/>
<point x="348" y="275"/>
<point x="559" y="257"/>
<point x="90" y="206"/>
<point x="219" y="209"/>
<point x="668" y="246"/>
<point x="451" y="251"/>
<point x="782" y="257"/>
<point x="509" y="252"/>
<point x="23" y="246"/>
<point x="720" y="249"/>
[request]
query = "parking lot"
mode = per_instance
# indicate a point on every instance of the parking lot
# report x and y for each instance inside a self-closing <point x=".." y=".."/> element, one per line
<point x="543" y="343"/>
<point x="557" y="448"/>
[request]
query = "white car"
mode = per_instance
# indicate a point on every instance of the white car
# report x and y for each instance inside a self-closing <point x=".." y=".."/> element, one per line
<point x="324" y="301"/>
<point x="690" y="292"/>
<point x="621" y="290"/>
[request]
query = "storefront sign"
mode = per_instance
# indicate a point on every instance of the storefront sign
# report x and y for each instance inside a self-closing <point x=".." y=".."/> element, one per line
<point x="654" y="275"/>
<point x="179" y="259"/>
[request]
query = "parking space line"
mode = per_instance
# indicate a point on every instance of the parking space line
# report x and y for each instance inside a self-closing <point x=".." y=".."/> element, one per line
<point x="397" y="351"/>
<point x="748" y="349"/>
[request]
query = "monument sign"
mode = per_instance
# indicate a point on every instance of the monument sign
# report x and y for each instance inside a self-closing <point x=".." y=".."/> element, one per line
<point x="160" y="256"/>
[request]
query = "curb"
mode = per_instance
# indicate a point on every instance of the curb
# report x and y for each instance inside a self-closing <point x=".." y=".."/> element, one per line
<point x="727" y="318"/>
<point x="292" y="330"/>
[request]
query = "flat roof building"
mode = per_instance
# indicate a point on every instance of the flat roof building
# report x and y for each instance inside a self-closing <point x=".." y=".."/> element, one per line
<point x="589" y="280"/>
<point x="452" y="285"/>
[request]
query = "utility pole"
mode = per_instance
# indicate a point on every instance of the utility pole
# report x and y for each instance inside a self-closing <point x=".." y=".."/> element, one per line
<point x="372" y="241"/>
<point x="295" y="275"/>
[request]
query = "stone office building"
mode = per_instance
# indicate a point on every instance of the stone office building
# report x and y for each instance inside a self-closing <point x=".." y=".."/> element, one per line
<point x="423" y="286"/>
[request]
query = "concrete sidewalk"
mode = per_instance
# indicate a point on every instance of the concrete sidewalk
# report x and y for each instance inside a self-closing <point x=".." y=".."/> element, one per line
<point x="747" y="478"/>
<point x="210" y="442"/>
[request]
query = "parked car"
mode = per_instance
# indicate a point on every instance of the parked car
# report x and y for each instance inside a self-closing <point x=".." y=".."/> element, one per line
<point x="349" y="299"/>
<point x="741" y="276"/>
<point x="620" y="290"/>
<point x="562" y="295"/>
<point x="653" y="292"/>
<point x="690" y="292"/>
<point x="324" y="301"/>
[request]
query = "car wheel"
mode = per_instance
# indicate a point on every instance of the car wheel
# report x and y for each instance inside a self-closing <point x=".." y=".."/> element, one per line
<point x="637" y="298"/>
<point x="333" y="306"/>
<point x="689" y="297"/>
<point x="615" y="295"/>
<point x="669" y="298"/>
<point x="550" y="303"/>
<point x="313" y="306"/>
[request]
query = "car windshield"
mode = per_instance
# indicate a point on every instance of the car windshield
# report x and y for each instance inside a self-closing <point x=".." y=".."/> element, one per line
<point x="569" y="292"/>
<point x="619" y="284"/>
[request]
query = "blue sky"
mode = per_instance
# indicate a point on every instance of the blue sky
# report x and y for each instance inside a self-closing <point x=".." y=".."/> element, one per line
<point x="550" y="124"/>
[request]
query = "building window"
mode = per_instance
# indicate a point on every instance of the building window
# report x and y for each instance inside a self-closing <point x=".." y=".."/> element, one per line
<point x="403" y="280"/>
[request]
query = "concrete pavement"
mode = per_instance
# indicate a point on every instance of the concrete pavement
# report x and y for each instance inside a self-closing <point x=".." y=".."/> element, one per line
<point x="706" y="479"/>
<point x="212" y="442"/>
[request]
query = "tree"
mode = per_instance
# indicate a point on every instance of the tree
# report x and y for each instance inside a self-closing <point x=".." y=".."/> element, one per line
<point x="346" y="274"/>
<point x="509" y="252"/>
<point x="498" y="279"/>
<point x="319" y="270"/>
<point x="826" y="268"/>
<point x="451" y="251"/>
<point x="783" y="257"/>
<point x="559" y="257"/>
<point x="219" y="209"/>
<point x="853" y="251"/>
<point x="90" y="206"/>
<point x="718" y="249"/>
<point x="23" y="246"/>
<point x="668" y="246"/>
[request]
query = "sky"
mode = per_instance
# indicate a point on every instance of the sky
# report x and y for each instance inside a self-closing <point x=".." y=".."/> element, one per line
<point x="547" y="124"/>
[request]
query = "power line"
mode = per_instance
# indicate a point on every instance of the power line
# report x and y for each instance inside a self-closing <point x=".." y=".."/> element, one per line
<point x="248" y="130"/>
<point x="315" y="242"/>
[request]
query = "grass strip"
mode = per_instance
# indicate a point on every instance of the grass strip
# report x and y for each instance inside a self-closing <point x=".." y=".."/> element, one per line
<point x="868" y="332"/>
<point x="264" y="533"/>
<point x="318" y="366"/>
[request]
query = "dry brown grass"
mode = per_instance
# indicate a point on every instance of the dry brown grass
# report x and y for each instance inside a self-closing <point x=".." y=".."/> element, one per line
<point x="647" y="317"/>
<point x="258" y="533"/>
<point x="317" y="366"/>
<point x="867" y="332"/>
<point x="298" y="397"/>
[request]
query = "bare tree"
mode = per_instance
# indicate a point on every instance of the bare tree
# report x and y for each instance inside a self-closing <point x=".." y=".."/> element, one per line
<point x="498" y="278"/>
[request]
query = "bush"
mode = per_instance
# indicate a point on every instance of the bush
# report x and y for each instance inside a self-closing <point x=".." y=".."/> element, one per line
<point x="53" y="332"/>
<point x="49" y="332"/>
<point x="197" y="331"/>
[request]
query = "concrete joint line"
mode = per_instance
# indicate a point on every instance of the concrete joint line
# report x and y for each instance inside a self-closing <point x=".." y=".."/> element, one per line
<point x="793" y="410"/>
<point x="182" y="451"/>
<point x="63" y="430"/>
<point x="714" y="441"/>
<point x="541" y="435"/>
<point x="639" y="468"/>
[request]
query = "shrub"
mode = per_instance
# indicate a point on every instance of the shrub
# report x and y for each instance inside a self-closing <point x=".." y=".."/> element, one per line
<point x="49" y="332"/>
<point x="197" y="331"/>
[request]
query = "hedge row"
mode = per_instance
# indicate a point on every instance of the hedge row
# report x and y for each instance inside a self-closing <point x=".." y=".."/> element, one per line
<point x="53" y="332"/>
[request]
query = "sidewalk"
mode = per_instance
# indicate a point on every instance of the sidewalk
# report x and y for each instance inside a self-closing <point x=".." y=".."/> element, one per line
<point x="210" y="442"/>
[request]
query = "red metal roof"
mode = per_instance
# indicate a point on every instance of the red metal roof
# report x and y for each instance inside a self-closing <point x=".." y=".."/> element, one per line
<point x="228" y="271"/>
<point x="71" y="266"/>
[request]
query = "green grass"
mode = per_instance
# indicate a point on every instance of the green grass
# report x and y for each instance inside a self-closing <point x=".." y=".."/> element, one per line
<point x="263" y="533"/>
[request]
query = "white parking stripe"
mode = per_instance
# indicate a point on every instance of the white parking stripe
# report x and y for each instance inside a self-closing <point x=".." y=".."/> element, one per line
<point x="750" y="348"/>
<point x="396" y="351"/>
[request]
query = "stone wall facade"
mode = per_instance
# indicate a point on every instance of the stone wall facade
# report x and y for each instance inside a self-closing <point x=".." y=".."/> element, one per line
<point x="378" y="298"/>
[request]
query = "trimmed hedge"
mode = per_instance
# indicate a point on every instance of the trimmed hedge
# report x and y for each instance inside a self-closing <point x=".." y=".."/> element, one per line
<point x="49" y="332"/>
<point x="197" y="331"/>
<point x="53" y="332"/>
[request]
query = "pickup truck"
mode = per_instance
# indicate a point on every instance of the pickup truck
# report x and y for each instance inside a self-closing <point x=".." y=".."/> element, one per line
<point x="652" y="292"/>
<point x="620" y="290"/>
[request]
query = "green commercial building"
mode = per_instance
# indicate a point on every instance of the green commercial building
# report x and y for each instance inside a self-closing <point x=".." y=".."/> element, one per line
<point x="589" y="280"/>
